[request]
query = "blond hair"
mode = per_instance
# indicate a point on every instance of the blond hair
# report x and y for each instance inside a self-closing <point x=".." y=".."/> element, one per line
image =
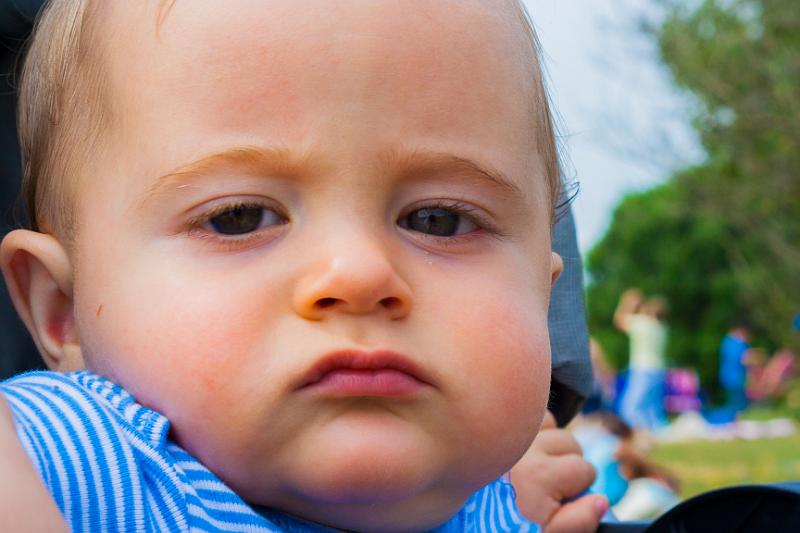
<point x="60" y="111"/>
<point x="544" y="124"/>
<point x="63" y="110"/>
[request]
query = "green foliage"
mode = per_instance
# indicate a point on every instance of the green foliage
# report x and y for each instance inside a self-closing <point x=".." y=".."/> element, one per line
<point x="721" y="240"/>
<point x="671" y="252"/>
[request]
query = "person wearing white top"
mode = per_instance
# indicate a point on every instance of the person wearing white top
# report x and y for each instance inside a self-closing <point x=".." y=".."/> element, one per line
<point x="642" y="320"/>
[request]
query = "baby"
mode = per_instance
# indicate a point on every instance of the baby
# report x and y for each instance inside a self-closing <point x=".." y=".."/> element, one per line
<point x="297" y="254"/>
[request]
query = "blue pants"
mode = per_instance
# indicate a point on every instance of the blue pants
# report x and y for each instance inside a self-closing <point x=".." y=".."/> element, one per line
<point x="643" y="400"/>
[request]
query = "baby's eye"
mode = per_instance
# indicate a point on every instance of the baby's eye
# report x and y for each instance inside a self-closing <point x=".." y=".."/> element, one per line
<point x="437" y="221"/>
<point x="241" y="219"/>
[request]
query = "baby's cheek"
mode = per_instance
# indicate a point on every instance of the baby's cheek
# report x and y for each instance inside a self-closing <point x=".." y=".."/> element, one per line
<point x="518" y="378"/>
<point x="168" y="347"/>
<point x="509" y="376"/>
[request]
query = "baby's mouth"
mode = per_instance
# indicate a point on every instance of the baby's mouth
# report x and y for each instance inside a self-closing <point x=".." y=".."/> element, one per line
<point x="355" y="373"/>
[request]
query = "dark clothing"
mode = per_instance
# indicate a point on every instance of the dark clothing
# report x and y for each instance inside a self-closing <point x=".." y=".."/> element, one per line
<point x="569" y="336"/>
<point x="17" y="352"/>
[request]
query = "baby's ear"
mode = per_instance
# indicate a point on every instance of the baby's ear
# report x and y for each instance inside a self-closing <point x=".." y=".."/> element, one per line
<point x="556" y="266"/>
<point x="38" y="273"/>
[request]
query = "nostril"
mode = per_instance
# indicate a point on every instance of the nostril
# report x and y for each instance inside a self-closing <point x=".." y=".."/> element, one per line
<point x="391" y="303"/>
<point x="324" y="303"/>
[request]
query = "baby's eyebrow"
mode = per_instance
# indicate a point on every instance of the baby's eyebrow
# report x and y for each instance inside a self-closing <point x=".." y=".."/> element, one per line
<point x="426" y="163"/>
<point x="255" y="160"/>
<point x="288" y="163"/>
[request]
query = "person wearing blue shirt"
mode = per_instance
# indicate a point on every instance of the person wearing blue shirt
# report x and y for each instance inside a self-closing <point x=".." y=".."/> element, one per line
<point x="733" y="353"/>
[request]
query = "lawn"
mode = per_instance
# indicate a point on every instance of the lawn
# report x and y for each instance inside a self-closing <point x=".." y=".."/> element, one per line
<point x="706" y="465"/>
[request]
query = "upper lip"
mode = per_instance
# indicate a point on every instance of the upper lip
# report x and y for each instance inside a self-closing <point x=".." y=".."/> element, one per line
<point x="362" y="360"/>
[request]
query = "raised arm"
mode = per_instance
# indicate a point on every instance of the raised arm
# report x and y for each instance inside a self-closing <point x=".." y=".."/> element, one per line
<point x="25" y="504"/>
<point x="628" y="303"/>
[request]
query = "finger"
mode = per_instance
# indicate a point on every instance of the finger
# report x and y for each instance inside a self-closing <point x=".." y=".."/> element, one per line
<point x="574" y="474"/>
<point x="581" y="516"/>
<point x="560" y="477"/>
<point x="535" y="505"/>
<point x="557" y="442"/>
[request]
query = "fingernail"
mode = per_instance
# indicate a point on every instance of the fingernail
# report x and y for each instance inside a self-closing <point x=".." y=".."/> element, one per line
<point x="601" y="507"/>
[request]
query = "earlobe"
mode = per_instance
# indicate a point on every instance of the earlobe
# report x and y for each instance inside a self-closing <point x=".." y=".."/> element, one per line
<point x="556" y="266"/>
<point x="38" y="273"/>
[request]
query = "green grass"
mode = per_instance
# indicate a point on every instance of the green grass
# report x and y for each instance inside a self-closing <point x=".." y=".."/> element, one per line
<point x="704" y="465"/>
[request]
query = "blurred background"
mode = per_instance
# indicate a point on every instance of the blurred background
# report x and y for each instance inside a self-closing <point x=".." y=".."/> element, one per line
<point x="680" y="127"/>
<point x="680" y="122"/>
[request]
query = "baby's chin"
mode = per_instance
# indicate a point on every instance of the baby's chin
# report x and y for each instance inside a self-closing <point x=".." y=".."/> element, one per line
<point x="385" y="497"/>
<point x="372" y="462"/>
<point x="371" y="479"/>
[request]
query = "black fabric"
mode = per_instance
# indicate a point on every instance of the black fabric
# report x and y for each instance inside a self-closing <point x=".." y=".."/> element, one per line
<point x="750" y="508"/>
<point x="17" y="352"/>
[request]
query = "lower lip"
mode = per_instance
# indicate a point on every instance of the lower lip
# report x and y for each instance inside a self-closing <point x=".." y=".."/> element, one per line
<point x="384" y="382"/>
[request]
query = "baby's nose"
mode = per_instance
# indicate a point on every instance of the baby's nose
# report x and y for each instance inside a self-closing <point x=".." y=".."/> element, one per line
<point x="357" y="279"/>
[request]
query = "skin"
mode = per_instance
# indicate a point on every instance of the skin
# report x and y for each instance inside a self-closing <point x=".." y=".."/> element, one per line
<point x="549" y="478"/>
<point x="25" y="504"/>
<point x="339" y="135"/>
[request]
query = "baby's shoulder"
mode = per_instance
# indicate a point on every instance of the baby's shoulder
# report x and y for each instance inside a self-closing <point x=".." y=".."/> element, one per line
<point x="108" y="463"/>
<point x="81" y="404"/>
<point x="96" y="450"/>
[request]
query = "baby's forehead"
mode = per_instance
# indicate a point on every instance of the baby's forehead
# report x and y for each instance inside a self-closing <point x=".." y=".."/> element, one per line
<point x="214" y="37"/>
<point x="279" y="60"/>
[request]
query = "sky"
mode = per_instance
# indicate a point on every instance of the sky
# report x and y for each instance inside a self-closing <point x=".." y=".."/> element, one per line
<point x="623" y="125"/>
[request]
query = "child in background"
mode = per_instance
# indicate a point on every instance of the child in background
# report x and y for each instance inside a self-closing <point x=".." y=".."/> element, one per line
<point x="291" y="266"/>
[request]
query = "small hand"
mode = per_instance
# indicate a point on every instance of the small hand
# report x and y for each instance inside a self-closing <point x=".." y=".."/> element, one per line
<point x="549" y="475"/>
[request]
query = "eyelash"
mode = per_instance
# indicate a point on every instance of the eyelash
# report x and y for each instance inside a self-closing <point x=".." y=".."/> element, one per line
<point x="236" y="242"/>
<point x="232" y="242"/>
<point x="468" y="211"/>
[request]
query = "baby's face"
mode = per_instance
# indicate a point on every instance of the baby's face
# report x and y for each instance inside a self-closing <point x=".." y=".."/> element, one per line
<point x="317" y="240"/>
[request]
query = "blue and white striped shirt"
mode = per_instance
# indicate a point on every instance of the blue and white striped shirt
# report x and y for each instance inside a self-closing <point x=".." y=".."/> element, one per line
<point x="109" y="465"/>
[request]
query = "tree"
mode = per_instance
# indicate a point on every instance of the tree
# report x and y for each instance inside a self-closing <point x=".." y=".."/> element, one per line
<point x="720" y="240"/>
<point x="656" y="243"/>
<point x="741" y="61"/>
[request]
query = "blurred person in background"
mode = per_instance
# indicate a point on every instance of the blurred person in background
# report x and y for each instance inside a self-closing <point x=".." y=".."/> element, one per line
<point x="636" y="487"/>
<point x="652" y="489"/>
<point x="767" y="377"/>
<point x="734" y="355"/>
<point x="642" y="405"/>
